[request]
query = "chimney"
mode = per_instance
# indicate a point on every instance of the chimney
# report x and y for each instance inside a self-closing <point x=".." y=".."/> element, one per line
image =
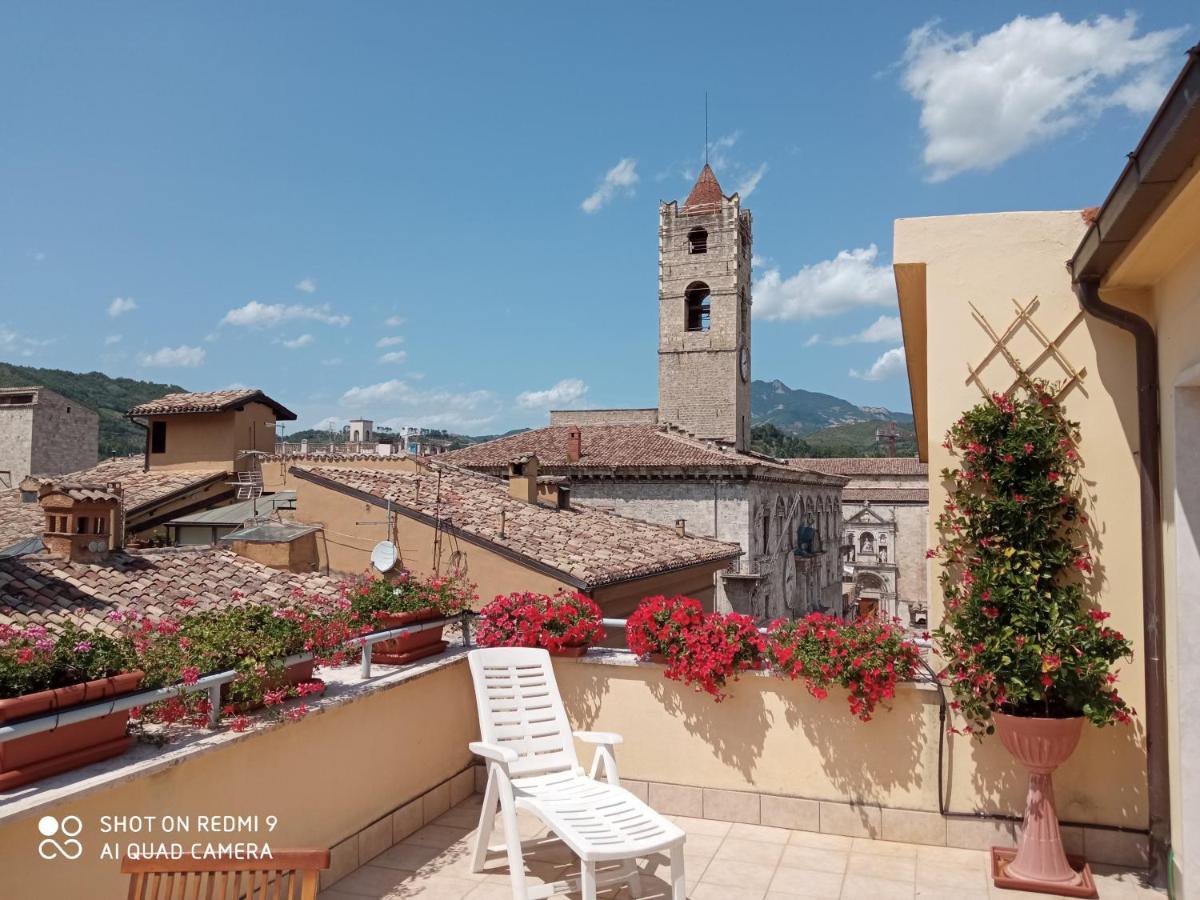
<point x="83" y="522"/>
<point x="681" y="527"/>
<point x="523" y="478"/>
<point x="574" y="444"/>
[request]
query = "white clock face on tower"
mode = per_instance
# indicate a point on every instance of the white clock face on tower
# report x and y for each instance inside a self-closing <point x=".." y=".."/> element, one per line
<point x="744" y="363"/>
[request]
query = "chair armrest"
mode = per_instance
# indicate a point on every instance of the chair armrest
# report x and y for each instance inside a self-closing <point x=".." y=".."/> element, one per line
<point x="502" y="755"/>
<point x="600" y="737"/>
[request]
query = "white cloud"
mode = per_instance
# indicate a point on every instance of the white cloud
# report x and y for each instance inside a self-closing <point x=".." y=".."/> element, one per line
<point x="850" y="280"/>
<point x="296" y="343"/>
<point x="393" y="356"/>
<point x="566" y="392"/>
<point x="11" y="342"/>
<point x="175" y="357"/>
<point x="332" y="361"/>
<point x="749" y="181"/>
<point x="113" y="339"/>
<point x="985" y="99"/>
<point x="266" y="315"/>
<point x="396" y="403"/>
<point x="885" y="329"/>
<point x="330" y="423"/>
<point x="889" y="365"/>
<point x="307" y="285"/>
<point x="37" y="255"/>
<point x="120" y="306"/>
<point x="394" y="321"/>
<point x="813" y="340"/>
<point x="391" y="341"/>
<point x="620" y="179"/>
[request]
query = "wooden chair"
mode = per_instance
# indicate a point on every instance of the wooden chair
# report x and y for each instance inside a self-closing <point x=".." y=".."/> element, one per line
<point x="288" y="875"/>
<point x="532" y="766"/>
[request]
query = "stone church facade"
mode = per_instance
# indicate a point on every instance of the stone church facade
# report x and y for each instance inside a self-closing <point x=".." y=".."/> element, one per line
<point x="686" y="464"/>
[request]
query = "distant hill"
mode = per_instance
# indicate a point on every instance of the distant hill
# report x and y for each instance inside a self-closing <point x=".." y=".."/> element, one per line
<point x="858" y="439"/>
<point x="800" y="412"/>
<point x="110" y="397"/>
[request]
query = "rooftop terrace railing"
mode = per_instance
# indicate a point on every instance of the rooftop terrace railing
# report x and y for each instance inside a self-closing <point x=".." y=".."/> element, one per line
<point x="211" y="684"/>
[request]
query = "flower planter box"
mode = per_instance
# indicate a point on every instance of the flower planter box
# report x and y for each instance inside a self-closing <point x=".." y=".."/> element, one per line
<point x="27" y="759"/>
<point x="571" y="652"/>
<point x="409" y="647"/>
<point x="296" y="673"/>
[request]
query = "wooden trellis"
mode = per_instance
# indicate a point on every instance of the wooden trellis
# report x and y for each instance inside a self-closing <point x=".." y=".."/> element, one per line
<point x="1051" y="349"/>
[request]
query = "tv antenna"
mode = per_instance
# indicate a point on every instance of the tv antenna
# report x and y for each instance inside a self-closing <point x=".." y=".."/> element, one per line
<point x="706" y="128"/>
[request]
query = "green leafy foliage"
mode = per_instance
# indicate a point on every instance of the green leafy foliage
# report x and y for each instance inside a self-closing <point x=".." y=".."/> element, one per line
<point x="1022" y="633"/>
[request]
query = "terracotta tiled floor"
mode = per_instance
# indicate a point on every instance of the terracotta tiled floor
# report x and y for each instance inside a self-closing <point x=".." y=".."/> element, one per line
<point x="724" y="862"/>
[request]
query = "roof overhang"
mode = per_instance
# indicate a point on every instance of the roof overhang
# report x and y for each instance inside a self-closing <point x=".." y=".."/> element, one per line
<point x="910" y="290"/>
<point x="1161" y="160"/>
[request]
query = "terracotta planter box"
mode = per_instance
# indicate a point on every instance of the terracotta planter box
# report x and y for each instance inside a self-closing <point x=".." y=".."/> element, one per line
<point x="571" y="652"/>
<point x="296" y="673"/>
<point x="27" y="759"/>
<point x="409" y="647"/>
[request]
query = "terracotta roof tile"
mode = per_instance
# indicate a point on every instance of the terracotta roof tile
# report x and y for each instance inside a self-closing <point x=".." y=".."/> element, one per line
<point x="616" y="447"/>
<point x="208" y="402"/>
<point x="885" y="495"/>
<point x="593" y="546"/>
<point x="850" y="465"/>
<point x="19" y="520"/>
<point x="705" y="192"/>
<point x="40" y="588"/>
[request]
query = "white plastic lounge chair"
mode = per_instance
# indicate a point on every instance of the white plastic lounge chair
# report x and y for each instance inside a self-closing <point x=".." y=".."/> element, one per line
<point x="532" y="766"/>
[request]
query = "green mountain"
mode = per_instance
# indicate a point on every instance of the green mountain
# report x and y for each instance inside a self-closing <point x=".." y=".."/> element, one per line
<point x="800" y="412"/>
<point x="110" y="397"/>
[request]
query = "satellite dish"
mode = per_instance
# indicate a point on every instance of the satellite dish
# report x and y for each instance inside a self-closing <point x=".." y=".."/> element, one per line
<point x="384" y="556"/>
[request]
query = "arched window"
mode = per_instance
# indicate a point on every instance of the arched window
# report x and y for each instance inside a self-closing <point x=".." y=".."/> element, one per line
<point x="698" y="302"/>
<point x="697" y="241"/>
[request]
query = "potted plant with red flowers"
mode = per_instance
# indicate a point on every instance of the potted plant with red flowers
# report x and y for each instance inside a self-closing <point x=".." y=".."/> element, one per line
<point x="44" y="670"/>
<point x="715" y="651"/>
<point x="404" y="600"/>
<point x="656" y="628"/>
<point x="565" y="624"/>
<point x="1026" y="650"/>
<point x="866" y="657"/>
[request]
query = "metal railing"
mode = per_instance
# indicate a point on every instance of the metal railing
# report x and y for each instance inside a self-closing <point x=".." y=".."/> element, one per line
<point x="211" y="684"/>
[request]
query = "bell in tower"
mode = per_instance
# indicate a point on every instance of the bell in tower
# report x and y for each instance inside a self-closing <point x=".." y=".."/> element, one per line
<point x="704" y="250"/>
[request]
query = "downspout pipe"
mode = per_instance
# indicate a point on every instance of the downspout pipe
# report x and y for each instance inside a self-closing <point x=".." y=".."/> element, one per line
<point x="1158" y="786"/>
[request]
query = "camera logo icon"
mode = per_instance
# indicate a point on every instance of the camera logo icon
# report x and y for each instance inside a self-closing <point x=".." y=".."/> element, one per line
<point x="69" y="828"/>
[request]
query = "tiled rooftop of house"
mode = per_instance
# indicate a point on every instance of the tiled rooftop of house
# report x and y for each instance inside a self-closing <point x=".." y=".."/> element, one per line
<point x="884" y="495"/>
<point x="617" y="447"/>
<point x="862" y="466"/>
<point x="593" y="546"/>
<point x="723" y="861"/>
<point x="207" y="402"/>
<point x="20" y="519"/>
<point x="38" y="588"/>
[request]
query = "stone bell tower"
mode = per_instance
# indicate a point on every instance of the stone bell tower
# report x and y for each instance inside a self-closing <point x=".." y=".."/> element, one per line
<point x="704" y="314"/>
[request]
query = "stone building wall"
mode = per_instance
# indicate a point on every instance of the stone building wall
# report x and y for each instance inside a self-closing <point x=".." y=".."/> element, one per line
<point x="912" y="540"/>
<point x="66" y="435"/>
<point x="603" y="416"/>
<point x="16" y="443"/>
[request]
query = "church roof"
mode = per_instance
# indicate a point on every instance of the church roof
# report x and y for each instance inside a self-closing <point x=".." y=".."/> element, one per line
<point x="705" y="192"/>
<point x="613" y="448"/>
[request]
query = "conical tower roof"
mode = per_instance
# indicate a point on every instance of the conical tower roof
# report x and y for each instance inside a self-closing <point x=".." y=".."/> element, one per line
<point x="705" y="192"/>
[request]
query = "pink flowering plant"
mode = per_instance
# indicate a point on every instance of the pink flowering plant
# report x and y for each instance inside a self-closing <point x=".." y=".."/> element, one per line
<point x="34" y="658"/>
<point x="1021" y="632"/>
<point x="716" y="651"/>
<point x="867" y="657"/>
<point x="553" y="622"/>
<point x="406" y="593"/>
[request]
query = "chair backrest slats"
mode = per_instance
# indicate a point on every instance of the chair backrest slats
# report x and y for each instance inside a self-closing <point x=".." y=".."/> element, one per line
<point x="194" y="879"/>
<point x="520" y="708"/>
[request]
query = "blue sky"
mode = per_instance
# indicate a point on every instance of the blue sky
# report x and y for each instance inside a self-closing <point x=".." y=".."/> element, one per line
<point x="446" y="215"/>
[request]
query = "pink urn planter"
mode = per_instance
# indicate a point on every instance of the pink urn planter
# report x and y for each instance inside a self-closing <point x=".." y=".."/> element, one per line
<point x="1039" y="863"/>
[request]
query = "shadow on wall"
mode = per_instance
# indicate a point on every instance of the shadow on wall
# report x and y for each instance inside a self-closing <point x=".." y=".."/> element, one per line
<point x="583" y="693"/>
<point x="868" y="777"/>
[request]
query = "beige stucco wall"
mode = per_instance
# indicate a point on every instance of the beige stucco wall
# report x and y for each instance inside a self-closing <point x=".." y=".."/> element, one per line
<point x="212" y="440"/>
<point x="1158" y="277"/>
<point x="325" y="778"/>
<point x="990" y="260"/>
